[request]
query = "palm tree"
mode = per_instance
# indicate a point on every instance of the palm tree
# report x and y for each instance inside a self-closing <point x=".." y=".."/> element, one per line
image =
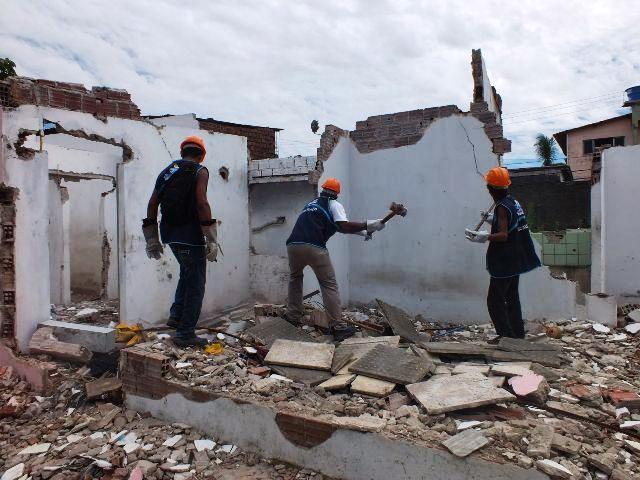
<point x="546" y="149"/>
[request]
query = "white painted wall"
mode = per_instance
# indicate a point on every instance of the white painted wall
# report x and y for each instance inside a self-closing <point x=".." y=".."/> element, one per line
<point x="269" y="263"/>
<point x="86" y="230"/>
<point x="423" y="262"/>
<point x="59" y="260"/>
<point x="146" y="286"/>
<point x="596" y="241"/>
<point x="620" y="223"/>
<point x="31" y="178"/>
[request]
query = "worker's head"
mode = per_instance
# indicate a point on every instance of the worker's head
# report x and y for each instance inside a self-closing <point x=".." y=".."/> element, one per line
<point x="331" y="186"/>
<point x="192" y="148"/>
<point x="498" y="182"/>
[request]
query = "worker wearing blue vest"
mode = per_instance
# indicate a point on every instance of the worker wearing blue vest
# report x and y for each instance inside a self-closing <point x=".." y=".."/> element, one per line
<point x="307" y="246"/>
<point x="189" y="230"/>
<point x="511" y="253"/>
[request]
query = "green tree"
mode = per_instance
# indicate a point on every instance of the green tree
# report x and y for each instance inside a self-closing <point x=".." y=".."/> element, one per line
<point x="546" y="149"/>
<point x="7" y="68"/>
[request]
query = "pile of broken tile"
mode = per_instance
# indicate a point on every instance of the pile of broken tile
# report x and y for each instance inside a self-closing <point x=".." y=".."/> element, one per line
<point x="65" y="435"/>
<point x="567" y="406"/>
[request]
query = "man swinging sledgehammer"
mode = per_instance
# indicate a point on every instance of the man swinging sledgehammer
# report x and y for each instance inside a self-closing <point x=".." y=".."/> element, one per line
<point x="307" y="246"/>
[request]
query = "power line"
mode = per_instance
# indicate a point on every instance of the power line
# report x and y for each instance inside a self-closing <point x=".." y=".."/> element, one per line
<point x="608" y="107"/>
<point x="551" y="110"/>
<point x="563" y="103"/>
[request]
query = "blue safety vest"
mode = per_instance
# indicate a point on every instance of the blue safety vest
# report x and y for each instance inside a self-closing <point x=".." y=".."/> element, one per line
<point x="315" y="225"/>
<point x="517" y="255"/>
<point x="187" y="231"/>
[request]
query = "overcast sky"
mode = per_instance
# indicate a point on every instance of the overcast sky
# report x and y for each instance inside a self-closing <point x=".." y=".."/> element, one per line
<point x="284" y="63"/>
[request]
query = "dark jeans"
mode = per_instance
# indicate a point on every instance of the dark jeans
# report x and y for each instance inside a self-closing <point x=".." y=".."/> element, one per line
<point x="503" y="301"/>
<point x="190" y="292"/>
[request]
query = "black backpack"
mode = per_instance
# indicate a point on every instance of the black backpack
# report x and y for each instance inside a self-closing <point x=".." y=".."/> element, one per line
<point x="177" y="197"/>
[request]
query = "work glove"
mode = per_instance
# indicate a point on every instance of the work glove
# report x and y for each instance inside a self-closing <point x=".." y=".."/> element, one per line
<point x="479" y="236"/>
<point x="151" y="237"/>
<point x="363" y="233"/>
<point x="486" y="216"/>
<point x="374" y="226"/>
<point x="211" y="235"/>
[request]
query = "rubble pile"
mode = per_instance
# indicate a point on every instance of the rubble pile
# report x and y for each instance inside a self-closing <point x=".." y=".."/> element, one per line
<point x="574" y="413"/>
<point x="95" y="312"/>
<point x="65" y="436"/>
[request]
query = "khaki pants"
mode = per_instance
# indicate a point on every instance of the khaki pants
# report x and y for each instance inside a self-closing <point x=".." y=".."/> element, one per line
<point x="301" y="256"/>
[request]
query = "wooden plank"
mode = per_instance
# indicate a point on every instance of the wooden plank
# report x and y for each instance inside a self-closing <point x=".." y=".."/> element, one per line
<point x="289" y="353"/>
<point x="521" y="345"/>
<point x="274" y="328"/>
<point x="372" y="386"/>
<point x="392" y="365"/>
<point x="469" y="390"/>
<point x="402" y="324"/>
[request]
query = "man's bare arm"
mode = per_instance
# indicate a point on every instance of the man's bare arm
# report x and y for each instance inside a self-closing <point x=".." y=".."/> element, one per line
<point x="503" y="224"/>
<point x="202" y="203"/>
<point x="152" y="206"/>
<point x="351" y="227"/>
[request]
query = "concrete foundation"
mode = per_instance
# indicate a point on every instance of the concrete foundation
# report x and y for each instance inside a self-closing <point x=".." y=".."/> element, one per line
<point x="332" y="450"/>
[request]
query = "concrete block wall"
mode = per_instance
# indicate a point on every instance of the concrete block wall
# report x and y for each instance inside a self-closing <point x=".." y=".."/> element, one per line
<point x="100" y="101"/>
<point x="281" y="169"/>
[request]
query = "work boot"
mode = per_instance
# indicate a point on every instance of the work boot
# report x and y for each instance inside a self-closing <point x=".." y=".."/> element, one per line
<point x="173" y="323"/>
<point x="191" y="341"/>
<point x="340" y="332"/>
<point x="296" y="323"/>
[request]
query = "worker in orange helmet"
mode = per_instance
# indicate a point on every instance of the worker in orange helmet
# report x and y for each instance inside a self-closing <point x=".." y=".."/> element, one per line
<point x="189" y="229"/>
<point x="307" y="246"/>
<point x="510" y="254"/>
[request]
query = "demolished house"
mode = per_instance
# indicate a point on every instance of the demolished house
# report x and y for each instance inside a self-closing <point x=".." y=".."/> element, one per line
<point x="416" y="393"/>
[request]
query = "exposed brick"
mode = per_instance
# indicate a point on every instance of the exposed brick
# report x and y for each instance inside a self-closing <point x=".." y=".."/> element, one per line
<point x="493" y="130"/>
<point x="44" y="342"/>
<point x="501" y="146"/>
<point x="261" y="141"/>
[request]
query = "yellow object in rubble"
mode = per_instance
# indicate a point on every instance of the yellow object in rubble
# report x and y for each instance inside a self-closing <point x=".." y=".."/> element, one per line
<point x="126" y="333"/>
<point x="214" y="349"/>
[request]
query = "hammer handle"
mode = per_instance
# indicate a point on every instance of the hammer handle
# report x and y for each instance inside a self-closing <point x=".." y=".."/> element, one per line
<point x="484" y="217"/>
<point x="389" y="216"/>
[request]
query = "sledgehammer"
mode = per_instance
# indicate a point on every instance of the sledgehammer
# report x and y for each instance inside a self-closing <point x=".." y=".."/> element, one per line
<point x="396" y="209"/>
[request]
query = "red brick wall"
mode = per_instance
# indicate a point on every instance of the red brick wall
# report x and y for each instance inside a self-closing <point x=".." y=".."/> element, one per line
<point x="100" y="101"/>
<point x="261" y="140"/>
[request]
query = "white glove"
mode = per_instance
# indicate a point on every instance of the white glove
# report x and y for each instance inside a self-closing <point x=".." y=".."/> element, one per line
<point x="486" y="216"/>
<point x="153" y="246"/>
<point x="479" y="236"/>
<point x="211" y="235"/>
<point x="374" y="226"/>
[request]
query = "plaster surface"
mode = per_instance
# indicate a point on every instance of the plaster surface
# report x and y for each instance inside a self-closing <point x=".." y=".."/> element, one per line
<point x="423" y="263"/>
<point x="345" y="454"/>
<point x="619" y="218"/>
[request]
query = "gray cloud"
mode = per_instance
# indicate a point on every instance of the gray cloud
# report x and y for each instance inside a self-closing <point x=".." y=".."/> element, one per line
<point x="284" y="63"/>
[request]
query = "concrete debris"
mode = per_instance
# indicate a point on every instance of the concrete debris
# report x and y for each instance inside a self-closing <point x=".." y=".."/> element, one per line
<point x="95" y="338"/>
<point x="338" y="382"/>
<point x="372" y="386"/>
<point x="554" y="469"/>
<point x="290" y="353"/>
<point x="531" y="387"/>
<point x="465" y="443"/>
<point x="541" y="441"/>
<point x="43" y="342"/>
<point x="103" y="387"/>
<point x="633" y="328"/>
<point x="634" y="315"/>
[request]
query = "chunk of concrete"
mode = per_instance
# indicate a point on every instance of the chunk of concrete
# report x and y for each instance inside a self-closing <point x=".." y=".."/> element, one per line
<point x="465" y="443"/>
<point x="338" y="382"/>
<point x="554" y="469"/>
<point x="603" y="462"/>
<point x="512" y="370"/>
<point x="96" y="339"/>
<point x="440" y="395"/>
<point x="290" y="353"/>
<point x="471" y="368"/>
<point x="103" y="386"/>
<point x="44" y="342"/>
<point x="531" y="387"/>
<point x="565" y="444"/>
<point x="363" y="423"/>
<point x="634" y="315"/>
<point x="541" y="441"/>
<point x="372" y="386"/>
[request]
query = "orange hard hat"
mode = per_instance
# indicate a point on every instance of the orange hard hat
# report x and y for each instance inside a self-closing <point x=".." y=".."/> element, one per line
<point x="498" y="177"/>
<point x="194" y="141"/>
<point x="332" y="184"/>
